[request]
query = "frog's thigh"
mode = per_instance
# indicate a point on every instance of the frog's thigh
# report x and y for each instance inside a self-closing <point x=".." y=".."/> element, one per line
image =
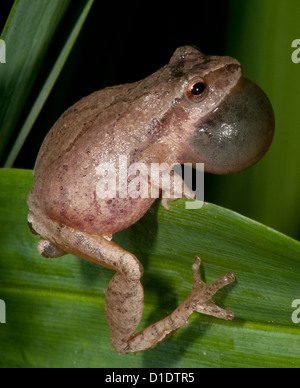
<point x="104" y="252"/>
<point x="124" y="299"/>
<point x="57" y="238"/>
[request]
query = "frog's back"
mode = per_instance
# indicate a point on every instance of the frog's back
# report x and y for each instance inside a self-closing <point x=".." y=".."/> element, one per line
<point x="65" y="185"/>
<point x="74" y="122"/>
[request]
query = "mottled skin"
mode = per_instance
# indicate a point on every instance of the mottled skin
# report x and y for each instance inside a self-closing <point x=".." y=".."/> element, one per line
<point x="228" y="125"/>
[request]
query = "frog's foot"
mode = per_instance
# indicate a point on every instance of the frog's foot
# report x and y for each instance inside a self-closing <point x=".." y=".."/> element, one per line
<point x="49" y="250"/>
<point x="200" y="299"/>
<point x="45" y="247"/>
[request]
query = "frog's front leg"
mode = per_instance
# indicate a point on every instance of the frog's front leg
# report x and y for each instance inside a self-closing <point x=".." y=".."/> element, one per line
<point x="178" y="189"/>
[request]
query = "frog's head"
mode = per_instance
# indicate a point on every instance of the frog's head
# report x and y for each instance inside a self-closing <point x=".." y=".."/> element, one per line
<point x="230" y="121"/>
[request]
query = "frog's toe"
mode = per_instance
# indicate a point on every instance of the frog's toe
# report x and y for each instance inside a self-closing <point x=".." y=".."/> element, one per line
<point x="49" y="250"/>
<point x="202" y="294"/>
<point x="210" y="308"/>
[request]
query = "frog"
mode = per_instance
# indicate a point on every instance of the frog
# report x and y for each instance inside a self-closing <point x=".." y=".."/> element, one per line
<point x="196" y="109"/>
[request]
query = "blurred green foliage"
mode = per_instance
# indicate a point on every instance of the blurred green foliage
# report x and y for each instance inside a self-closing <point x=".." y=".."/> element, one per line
<point x="260" y="35"/>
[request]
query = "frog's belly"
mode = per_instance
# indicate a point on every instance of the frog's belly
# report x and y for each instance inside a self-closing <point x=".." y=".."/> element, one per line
<point x="101" y="217"/>
<point x="76" y="199"/>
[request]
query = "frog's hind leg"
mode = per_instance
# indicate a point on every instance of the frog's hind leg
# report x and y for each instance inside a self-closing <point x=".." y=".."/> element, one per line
<point x="199" y="300"/>
<point x="124" y="299"/>
<point x="60" y="238"/>
<point x="124" y="304"/>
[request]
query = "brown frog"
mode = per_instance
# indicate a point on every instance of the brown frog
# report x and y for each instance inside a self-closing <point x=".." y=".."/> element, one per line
<point x="197" y="108"/>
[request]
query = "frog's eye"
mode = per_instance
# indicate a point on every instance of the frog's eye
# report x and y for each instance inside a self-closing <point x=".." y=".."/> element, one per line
<point x="195" y="89"/>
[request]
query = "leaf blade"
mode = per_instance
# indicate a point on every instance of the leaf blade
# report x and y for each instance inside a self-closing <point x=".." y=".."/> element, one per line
<point x="47" y="86"/>
<point x="28" y="34"/>
<point x="55" y="309"/>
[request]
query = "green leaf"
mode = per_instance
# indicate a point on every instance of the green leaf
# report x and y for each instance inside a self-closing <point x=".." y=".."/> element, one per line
<point x="28" y="34"/>
<point x="55" y="308"/>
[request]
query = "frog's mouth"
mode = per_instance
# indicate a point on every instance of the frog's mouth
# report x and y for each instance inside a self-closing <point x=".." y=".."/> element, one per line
<point x="239" y="134"/>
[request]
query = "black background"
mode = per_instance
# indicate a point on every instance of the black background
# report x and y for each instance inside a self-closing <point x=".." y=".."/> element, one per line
<point x="120" y="43"/>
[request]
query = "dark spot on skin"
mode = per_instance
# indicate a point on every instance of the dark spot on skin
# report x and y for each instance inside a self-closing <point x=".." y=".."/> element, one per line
<point x="231" y="68"/>
<point x="177" y="70"/>
<point x="180" y="113"/>
<point x="32" y="229"/>
<point x="80" y="134"/>
<point x="52" y="251"/>
<point x="114" y="209"/>
<point x="158" y="128"/>
<point x="135" y="155"/>
<point x="164" y="120"/>
<point x="59" y="176"/>
<point x="63" y="214"/>
<point x="90" y="218"/>
<point x="96" y="203"/>
<point x="59" y="228"/>
<point x="211" y="122"/>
